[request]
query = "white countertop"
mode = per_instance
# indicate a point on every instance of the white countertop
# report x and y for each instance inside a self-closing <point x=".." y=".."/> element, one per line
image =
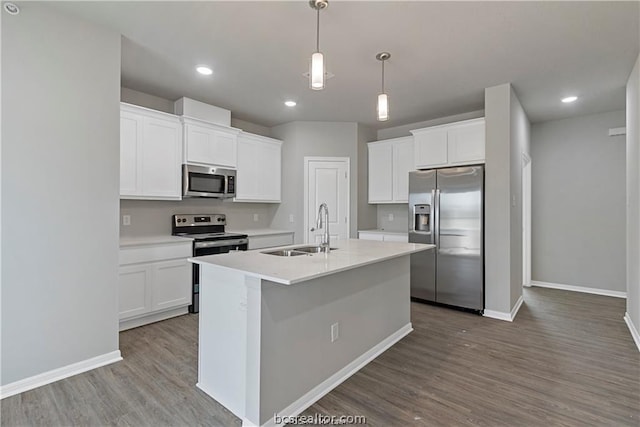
<point x="350" y="254"/>
<point x="152" y="240"/>
<point x="260" y="231"/>
<point x="379" y="231"/>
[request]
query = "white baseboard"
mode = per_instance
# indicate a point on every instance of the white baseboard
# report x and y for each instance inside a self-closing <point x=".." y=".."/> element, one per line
<point x="632" y="328"/>
<point x="583" y="289"/>
<point x="152" y="318"/>
<point x="336" y="379"/>
<point x="58" y="374"/>
<point x="501" y="315"/>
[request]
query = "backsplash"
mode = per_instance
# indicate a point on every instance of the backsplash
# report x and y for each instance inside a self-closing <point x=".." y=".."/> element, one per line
<point x="153" y="217"/>
<point x="400" y="215"/>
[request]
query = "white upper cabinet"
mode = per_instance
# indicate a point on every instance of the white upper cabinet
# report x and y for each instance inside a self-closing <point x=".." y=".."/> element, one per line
<point x="150" y="154"/>
<point x="380" y="172"/>
<point x="390" y="162"/>
<point x="259" y="171"/>
<point x="449" y="145"/>
<point x="403" y="163"/>
<point x="210" y="144"/>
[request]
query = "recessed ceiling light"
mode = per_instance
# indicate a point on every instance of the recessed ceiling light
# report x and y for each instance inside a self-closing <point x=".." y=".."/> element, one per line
<point x="290" y="103"/>
<point x="11" y="8"/>
<point x="204" y="70"/>
<point x="569" y="99"/>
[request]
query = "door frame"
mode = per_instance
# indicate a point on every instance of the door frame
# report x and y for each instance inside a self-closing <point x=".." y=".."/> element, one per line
<point x="307" y="161"/>
<point x="526" y="220"/>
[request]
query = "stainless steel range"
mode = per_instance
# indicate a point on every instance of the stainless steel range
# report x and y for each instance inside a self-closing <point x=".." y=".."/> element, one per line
<point x="209" y="238"/>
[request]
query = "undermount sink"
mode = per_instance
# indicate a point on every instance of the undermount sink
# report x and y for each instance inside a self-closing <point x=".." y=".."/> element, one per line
<point x="285" y="252"/>
<point x="312" y="249"/>
<point x="303" y="250"/>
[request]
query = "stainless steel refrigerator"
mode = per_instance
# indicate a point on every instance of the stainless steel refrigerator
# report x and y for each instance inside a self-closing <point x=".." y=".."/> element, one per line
<point x="446" y="208"/>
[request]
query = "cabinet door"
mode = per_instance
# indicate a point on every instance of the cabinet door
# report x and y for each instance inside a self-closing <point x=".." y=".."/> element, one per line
<point x="248" y="173"/>
<point x="466" y="143"/>
<point x="430" y="148"/>
<point x="161" y="158"/>
<point x="380" y="173"/>
<point x="224" y="149"/>
<point x="130" y="143"/>
<point x="259" y="170"/>
<point x="370" y="236"/>
<point x="403" y="162"/>
<point x="270" y="172"/>
<point x="171" y="284"/>
<point x="199" y="143"/>
<point x="134" y="283"/>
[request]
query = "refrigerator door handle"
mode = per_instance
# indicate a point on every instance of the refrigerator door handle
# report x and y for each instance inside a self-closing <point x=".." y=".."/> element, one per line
<point x="432" y="219"/>
<point x="436" y="220"/>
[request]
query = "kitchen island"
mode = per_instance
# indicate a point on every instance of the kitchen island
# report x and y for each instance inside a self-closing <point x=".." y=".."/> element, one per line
<point x="277" y="333"/>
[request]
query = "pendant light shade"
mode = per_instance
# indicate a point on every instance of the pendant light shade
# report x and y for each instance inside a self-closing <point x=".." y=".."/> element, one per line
<point x="383" y="98"/>
<point x="316" y="73"/>
<point x="383" y="107"/>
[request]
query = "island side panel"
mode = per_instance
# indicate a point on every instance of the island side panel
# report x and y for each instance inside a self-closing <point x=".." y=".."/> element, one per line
<point x="370" y="304"/>
<point x="222" y="337"/>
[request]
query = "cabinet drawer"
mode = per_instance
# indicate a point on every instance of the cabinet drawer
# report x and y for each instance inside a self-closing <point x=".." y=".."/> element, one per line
<point x="151" y="253"/>
<point x="269" y="241"/>
<point x="370" y="236"/>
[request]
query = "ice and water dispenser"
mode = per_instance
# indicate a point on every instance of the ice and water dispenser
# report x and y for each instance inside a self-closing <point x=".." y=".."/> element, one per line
<point x="422" y="218"/>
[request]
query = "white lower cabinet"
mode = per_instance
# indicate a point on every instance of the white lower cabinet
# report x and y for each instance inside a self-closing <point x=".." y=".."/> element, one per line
<point x="383" y="237"/>
<point x="154" y="283"/>
<point x="270" y="240"/>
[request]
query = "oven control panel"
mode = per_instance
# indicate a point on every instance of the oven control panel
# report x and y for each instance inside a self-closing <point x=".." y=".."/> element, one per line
<point x="206" y="219"/>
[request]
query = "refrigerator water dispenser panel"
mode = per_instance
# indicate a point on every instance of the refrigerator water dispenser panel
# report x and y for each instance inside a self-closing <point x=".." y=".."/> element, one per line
<point x="422" y="218"/>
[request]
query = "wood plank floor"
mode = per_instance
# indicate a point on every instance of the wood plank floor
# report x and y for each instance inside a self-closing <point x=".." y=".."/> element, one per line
<point x="567" y="360"/>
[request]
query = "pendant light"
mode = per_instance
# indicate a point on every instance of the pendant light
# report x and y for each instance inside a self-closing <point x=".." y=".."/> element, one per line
<point x="316" y="73"/>
<point x="383" y="99"/>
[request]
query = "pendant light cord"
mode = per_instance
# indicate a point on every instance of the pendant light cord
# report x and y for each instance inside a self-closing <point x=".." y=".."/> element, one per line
<point x="318" y="30"/>
<point x="383" y="76"/>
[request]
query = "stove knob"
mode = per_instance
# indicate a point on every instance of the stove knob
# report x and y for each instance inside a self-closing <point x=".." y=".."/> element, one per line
<point x="220" y="219"/>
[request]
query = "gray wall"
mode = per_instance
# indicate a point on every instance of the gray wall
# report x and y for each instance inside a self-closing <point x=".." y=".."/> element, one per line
<point x="322" y="139"/>
<point x="400" y="221"/>
<point x="578" y="202"/>
<point x="633" y="196"/>
<point x="60" y="162"/>
<point x="162" y="104"/>
<point x="153" y="217"/>
<point x="366" y="212"/>
<point x="507" y="136"/>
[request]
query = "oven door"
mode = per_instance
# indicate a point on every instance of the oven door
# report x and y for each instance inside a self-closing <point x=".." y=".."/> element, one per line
<point x="205" y="181"/>
<point x="210" y="247"/>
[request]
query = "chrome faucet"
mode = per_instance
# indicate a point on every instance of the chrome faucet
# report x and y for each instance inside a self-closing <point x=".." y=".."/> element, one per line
<point x="323" y="223"/>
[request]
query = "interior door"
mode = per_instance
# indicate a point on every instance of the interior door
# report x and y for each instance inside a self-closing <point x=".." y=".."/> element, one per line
<point x="328" y="182"/>
<point x="459" y="270"/>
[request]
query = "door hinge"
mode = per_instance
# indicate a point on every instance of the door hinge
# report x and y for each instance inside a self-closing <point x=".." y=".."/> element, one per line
<point x="345" y="219"/>
<point x="345" y="175"/>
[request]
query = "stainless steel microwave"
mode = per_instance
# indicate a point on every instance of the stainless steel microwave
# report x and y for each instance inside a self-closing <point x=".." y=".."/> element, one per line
<point x="208" y="181"/>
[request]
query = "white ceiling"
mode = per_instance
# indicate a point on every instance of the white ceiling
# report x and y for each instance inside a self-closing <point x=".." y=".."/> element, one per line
<point x="443" y="55"/>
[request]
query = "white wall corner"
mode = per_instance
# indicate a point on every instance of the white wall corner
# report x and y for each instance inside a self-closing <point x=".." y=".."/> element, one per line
<point x="632" y="328"/>
<point x="58" y="374"/>
<point x="508" y="317"/>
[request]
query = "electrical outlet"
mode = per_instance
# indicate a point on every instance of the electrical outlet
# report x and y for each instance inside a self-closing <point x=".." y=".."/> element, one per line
<point x="335" y="332"/>
<point x="255" y="217"/>
<point x="390" y="217"/>
<point x="126" y="219"/>
<point x="291" y="219"/>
